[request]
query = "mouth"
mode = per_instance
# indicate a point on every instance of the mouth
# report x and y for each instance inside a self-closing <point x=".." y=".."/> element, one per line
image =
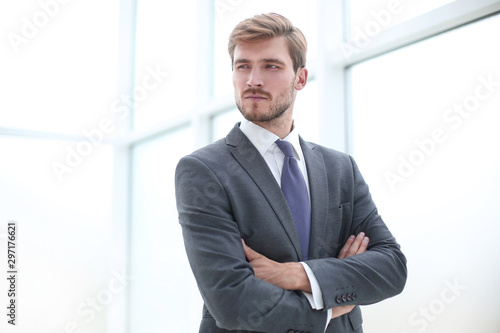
<point x="255" y="98"/>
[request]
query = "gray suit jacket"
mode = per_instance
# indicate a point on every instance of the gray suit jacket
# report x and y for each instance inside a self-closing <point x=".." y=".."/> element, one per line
<point x="226" y="192"/>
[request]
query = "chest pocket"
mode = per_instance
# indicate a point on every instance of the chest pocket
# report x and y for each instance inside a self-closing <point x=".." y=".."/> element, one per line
<point x="334" y="236"/>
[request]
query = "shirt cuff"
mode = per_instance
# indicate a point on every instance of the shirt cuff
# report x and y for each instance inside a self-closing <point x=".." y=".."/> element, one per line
<point x="328" y="318"/>
<point x="316" y="298"/>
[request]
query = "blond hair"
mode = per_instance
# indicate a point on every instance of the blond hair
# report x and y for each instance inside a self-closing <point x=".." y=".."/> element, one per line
<point x="267" y="26"/>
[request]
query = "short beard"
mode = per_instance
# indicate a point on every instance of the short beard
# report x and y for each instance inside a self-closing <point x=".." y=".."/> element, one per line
<point x="275" y="110"/>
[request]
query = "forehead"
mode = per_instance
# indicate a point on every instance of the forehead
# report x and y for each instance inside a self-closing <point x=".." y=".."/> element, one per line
<point x="272" y="48"/>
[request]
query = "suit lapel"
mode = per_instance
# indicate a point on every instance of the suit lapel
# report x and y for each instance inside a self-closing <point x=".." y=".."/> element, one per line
<point x="254" y="164"/>
<point x="318" y="187"/>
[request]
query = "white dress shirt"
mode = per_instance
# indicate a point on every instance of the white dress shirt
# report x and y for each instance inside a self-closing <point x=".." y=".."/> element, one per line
<point x="264" y="141"/>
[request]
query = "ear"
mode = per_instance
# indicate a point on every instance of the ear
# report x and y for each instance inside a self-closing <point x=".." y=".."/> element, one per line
<point x="301" y="78"/>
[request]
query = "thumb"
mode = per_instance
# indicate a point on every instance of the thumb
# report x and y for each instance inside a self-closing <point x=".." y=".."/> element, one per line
<point x="249" y="253"/>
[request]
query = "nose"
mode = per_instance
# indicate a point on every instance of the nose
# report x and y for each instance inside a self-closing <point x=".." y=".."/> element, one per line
<point x="255" y="78"/>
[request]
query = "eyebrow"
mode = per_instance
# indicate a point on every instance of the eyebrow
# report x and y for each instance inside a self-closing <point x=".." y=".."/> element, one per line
<point x="267" y="60"/>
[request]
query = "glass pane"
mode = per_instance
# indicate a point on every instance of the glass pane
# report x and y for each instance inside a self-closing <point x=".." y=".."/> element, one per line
<point x="64" y="236"/>
<point x="426" y="139"/>
<point x="165" y="68"/>
<point x="369" y="17"/>
<point x="306" y="112"/>
<point x="229" y="13"/>
<point x="224" y="122"/>
<point x="164" y="296"/>
<point x="58" y="69"/>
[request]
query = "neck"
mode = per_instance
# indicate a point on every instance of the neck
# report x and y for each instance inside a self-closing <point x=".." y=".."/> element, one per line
<point x="281" y="126"/>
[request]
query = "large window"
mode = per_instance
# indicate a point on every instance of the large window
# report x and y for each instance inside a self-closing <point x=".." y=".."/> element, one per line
<point x="64" y="236"/>
<point x="368" y="18"/>
<point x="101" y="99"/>
<point x="59" y="72"/>
<point x="425" y="127"/>
<point x="163" y="292"/>
<point x="58" y="81"/>
<point x="166" y="61"/>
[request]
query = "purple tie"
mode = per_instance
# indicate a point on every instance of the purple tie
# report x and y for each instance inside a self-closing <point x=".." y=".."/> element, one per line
<point x="294" y="188"/>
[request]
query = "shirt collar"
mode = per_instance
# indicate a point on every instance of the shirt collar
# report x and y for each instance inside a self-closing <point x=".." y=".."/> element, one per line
<point x="263" y="139"/>
<point x="293" y="138"/>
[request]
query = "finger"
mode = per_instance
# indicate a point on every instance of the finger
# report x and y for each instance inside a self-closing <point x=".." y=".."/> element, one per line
<point x="345" y="248"/>
<point x="356" y="245"/>
<point x="249" y="253"/>
<point x="341" y="310"/>
<point x="364" y="245"/>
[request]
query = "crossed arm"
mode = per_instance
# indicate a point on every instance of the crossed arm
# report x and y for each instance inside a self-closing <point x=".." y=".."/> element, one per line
<point x="292" y="276"/>
<point x="227" y="281"/>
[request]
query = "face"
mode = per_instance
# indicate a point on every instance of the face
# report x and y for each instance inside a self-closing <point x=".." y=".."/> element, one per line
<point x="264" y="81"/>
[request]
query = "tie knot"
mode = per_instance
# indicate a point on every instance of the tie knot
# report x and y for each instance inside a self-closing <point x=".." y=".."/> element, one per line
<point x="286" y="147"/>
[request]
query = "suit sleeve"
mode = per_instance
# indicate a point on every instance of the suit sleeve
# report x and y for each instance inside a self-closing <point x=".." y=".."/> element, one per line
<point x="370" y="277"/>
<point x="232" y="294"/>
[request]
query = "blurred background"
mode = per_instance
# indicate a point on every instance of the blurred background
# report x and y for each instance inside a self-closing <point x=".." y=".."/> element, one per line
<point x="100" y="99"/>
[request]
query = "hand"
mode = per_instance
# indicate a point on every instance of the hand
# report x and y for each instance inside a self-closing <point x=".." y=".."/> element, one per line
<point x="292" y="276"/>
<point x="354" y="245"/>
<point x="289" y="276"/>
<point x="341" y="310"/>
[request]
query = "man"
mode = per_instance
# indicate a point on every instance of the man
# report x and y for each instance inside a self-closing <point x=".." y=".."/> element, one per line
<point x="269" y="219"/>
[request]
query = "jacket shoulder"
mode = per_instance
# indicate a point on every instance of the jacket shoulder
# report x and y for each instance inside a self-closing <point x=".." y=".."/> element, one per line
<point x="212" y="151"/>
<point x="215" y="156"/>
<point x="220" y="149"/>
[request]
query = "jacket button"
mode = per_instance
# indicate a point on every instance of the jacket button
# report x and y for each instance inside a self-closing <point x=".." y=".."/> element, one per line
<point x="344" y="298"/>
<point x="349" y="297"/>
<point x="354" y="296"/>
<point x="338" y="299"/>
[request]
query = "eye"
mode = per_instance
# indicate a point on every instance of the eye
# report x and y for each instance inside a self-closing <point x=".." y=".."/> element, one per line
<point x="242" y="67"/>
<point x="272" y="66"/>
